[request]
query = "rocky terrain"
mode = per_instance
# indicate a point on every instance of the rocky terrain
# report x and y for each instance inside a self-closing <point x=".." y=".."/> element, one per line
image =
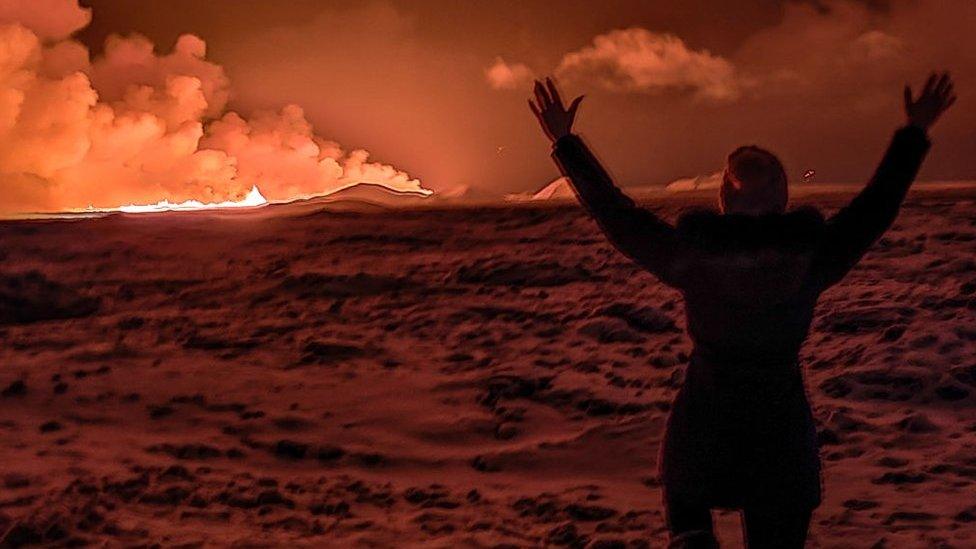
<point x="481" y="377"/>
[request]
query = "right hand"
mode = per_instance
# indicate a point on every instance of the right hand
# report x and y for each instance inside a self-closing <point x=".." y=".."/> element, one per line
<point x="935" y="99"/>
<point x="555" y="119"/>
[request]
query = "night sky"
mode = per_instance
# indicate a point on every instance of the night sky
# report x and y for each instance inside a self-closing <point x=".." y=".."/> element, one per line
<point x="406" y="79"/>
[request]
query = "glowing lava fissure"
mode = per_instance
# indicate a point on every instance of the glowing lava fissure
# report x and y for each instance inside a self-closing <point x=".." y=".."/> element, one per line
<point x="374" y="193"/>
<point x="136" y="130"/>
<point x="254" y="199"/>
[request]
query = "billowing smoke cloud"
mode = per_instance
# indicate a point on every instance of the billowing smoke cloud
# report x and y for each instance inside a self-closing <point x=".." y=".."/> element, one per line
<point x="278" y="151"/>
<point x="48" y="19"/>
<point x="134" y="126"/>
<point x="504" y="76"/>
<point x="638" y="60"/>
<point x="633" y="60"/>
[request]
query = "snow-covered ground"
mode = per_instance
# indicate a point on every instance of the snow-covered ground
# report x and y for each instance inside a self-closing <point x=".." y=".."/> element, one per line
<point x="456" y="377"/>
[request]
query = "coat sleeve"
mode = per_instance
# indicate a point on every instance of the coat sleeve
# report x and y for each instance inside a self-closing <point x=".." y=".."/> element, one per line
<point x="636" y="232"/>
<point x="852" y="230"/>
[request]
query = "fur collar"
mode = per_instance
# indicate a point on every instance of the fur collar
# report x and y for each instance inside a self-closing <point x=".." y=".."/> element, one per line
<point x="794" y="230"/>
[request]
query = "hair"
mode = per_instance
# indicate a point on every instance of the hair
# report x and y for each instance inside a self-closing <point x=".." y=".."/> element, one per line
<point x="754" y="182"/>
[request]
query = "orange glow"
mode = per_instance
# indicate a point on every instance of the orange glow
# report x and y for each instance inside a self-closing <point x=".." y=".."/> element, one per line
<point x="254" y="199"/>
<point x="137" y="130"/>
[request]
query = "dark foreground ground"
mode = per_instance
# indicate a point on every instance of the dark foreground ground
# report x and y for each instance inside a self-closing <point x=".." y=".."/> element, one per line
<point x="455" y="378"/>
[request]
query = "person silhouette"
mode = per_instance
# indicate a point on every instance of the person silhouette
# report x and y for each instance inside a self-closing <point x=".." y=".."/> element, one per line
<point x="741" y="433"/>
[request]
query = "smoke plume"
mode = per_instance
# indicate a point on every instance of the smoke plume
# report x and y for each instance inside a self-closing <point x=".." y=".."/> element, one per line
<point x="137" y="126"/>
<point x="502" y="75"/>
<point x="638" y="60"/>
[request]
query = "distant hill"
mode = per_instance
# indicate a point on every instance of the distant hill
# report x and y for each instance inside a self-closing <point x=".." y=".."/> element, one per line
<point x="374" y="193"/>
<point x="361" y="196"/>
<point x="697" y="183"/>
<point x="559" y="189"/>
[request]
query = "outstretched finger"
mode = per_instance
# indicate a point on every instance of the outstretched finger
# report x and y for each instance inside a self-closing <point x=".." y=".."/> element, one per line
<point x="574" y="106"/>
<point x="535" y="110"/>
<point x="944" y="82"/>
<point x="542" y="96"/>
<point x="556" y="99"/>
<point x="929" y="83"/>
<point x="949" y="91"/>
<point x="946" y="87"/>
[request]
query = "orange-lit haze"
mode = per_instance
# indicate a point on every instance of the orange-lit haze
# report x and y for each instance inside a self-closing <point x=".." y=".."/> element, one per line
<point x="135" y="126"/>
<point x="224" y="95"/>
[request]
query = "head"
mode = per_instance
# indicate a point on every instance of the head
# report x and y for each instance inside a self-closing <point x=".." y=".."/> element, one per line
<point x="754" y="183"/>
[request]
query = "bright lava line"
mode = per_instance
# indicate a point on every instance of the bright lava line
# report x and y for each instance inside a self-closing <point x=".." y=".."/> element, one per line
<point x="253" y="199"/>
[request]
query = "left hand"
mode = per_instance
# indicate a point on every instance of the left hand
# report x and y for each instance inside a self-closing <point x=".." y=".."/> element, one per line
<point x="936" y="97"/>
<point x="555" y="119"/>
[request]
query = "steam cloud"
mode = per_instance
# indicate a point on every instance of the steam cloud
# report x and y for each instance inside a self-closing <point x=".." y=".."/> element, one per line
<point x="632" y="60"/>
<point x="134" y="126"/>
<point x="504" y="76"/>
<point x="812" y="51"/>
<point x="640" y="60"/>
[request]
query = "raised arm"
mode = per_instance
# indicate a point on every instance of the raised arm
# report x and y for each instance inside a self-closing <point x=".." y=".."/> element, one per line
<point x="852" y="230"/>
<point x="634" y="231"/>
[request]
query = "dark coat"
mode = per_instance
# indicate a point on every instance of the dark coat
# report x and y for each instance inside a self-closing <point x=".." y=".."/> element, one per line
<point x="741" y="432"/>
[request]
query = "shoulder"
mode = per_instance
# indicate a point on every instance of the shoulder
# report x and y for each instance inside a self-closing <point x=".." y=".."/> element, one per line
<point x="798" y="228"/>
